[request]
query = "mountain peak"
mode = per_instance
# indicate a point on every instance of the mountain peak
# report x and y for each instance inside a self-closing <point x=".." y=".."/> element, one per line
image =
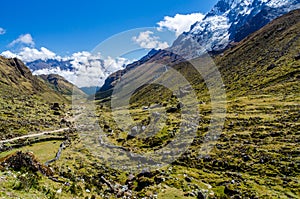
<point x="233" y="20"/>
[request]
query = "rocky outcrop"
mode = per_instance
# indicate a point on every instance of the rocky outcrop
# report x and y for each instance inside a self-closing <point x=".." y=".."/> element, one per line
<point x="20" y="160"/>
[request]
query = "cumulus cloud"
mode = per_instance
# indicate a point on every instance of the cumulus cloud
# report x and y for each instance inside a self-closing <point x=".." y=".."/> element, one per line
<point x="30" y="54"/>
<point x="9" y="54"/>
<point x="84" y="69"/>
<point x="148" y="40"/>
<point x="87" y="69"/>
<point x="23" y="39"/>
<point x="67" y="74"/>
<point x="2" y="31"/>
<point x="180" y="23"/>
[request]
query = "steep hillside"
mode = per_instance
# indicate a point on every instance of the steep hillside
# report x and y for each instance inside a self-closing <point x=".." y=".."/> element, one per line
<point x="26" y="102"/>
<point x="61" y="85"/>
<point x="16" y="78"/>
<point x="257" y="152"/>
<point x="154" y="56"/>
<point x="266" y="61"/>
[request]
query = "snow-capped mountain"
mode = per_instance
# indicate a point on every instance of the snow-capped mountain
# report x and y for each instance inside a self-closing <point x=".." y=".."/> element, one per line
<point x="49" y="64"/>
<point x="231" y="21"/>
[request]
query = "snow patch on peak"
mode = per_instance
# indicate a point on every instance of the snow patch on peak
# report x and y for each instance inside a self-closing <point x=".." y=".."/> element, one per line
<point x="214" y="30"/>
<point x="277" y="3"/>
<point x="232" y="20"/>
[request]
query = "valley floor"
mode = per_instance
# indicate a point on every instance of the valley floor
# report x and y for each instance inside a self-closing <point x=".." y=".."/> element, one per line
<point x="256" y="156"/>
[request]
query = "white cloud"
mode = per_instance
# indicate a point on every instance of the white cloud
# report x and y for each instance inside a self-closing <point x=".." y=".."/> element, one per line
<point x="30" y="54"/>
<point x="23" y="39"/>
<point x="67" y="74"/>
<point x="180" y="23"/>
<point x="87" y="69"/>
<point x="9" y="54"/>
<point x="2" y="31"/>
<point x="148" y="40"/>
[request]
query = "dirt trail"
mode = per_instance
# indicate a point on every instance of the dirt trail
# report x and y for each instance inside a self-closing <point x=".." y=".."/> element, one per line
<point x="35" y="135"/>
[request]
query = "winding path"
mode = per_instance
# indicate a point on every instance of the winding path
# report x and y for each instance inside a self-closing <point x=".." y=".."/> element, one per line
<point x="34" y="135"/>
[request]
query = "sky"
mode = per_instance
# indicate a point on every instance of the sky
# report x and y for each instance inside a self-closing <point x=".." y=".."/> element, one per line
<point x="66" y="27"/>
<point x="96" y="37"/>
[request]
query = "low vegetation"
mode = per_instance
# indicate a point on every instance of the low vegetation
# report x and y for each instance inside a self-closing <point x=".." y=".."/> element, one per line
<point x="256" y="155"/>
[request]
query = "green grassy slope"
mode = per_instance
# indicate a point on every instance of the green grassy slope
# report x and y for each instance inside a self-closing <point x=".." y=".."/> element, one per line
<point x="256" y="156"/>
<point x="61" y="85"/>
<point x="26" y="101"/>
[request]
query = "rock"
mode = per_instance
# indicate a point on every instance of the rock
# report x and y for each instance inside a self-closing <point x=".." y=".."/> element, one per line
<point x="229" y="191"/>
<point x="200" y="195"/>
<point x="55" y="106"/>
<point x="145" y="107"/>
<point x="297" y="57"/>
<point x="56" y="113"/>
<point x="179" y="105"/>
<point x="188" y="179"/>
<point x="271" y="66"/>
<point x="246" y="158"/>
<point x="131" y="177"/>
<point x="156" y="114"/>
<point x="172" y="110"/>
<point x="59" y="191"/>
<point x="20" y="160"/>
<point x="159" y="179"/>
<point x="207" y="158"/>
<point x="134" y="130"/>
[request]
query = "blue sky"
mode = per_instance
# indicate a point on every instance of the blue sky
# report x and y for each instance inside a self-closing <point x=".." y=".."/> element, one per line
<point x="66" y="27"/>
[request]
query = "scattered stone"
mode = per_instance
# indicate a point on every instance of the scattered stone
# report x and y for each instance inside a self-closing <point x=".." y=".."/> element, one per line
<point x="56" y="113"/>
<point x="297" y="57"/>
<point x="188" y="179"/>
<point x="246" y="158"/>
<point x="200" y="195"/>
<point x="271" y="66"/>
<point x="55" y="106"/>
<point x="229" y="191"/>
<point x="172" y="110"/>
<point x="131" y="177"/>
<point x="145" y="107"/>
<point x="59" y="191"/>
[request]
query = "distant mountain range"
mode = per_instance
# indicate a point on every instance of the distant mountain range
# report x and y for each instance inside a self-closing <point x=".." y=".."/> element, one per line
<point x="49" y="64"/>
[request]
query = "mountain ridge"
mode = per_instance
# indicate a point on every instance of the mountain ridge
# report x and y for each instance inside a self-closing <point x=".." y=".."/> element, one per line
<point x="106" y="89"/>
<point x="232" y="20"/>
<point x="15" y="75"/>
<point x="61" y="85"/>
<point x="26" y="101"/>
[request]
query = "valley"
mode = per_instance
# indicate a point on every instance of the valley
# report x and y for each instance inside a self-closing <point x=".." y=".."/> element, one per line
<point x="58" y="142"/>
